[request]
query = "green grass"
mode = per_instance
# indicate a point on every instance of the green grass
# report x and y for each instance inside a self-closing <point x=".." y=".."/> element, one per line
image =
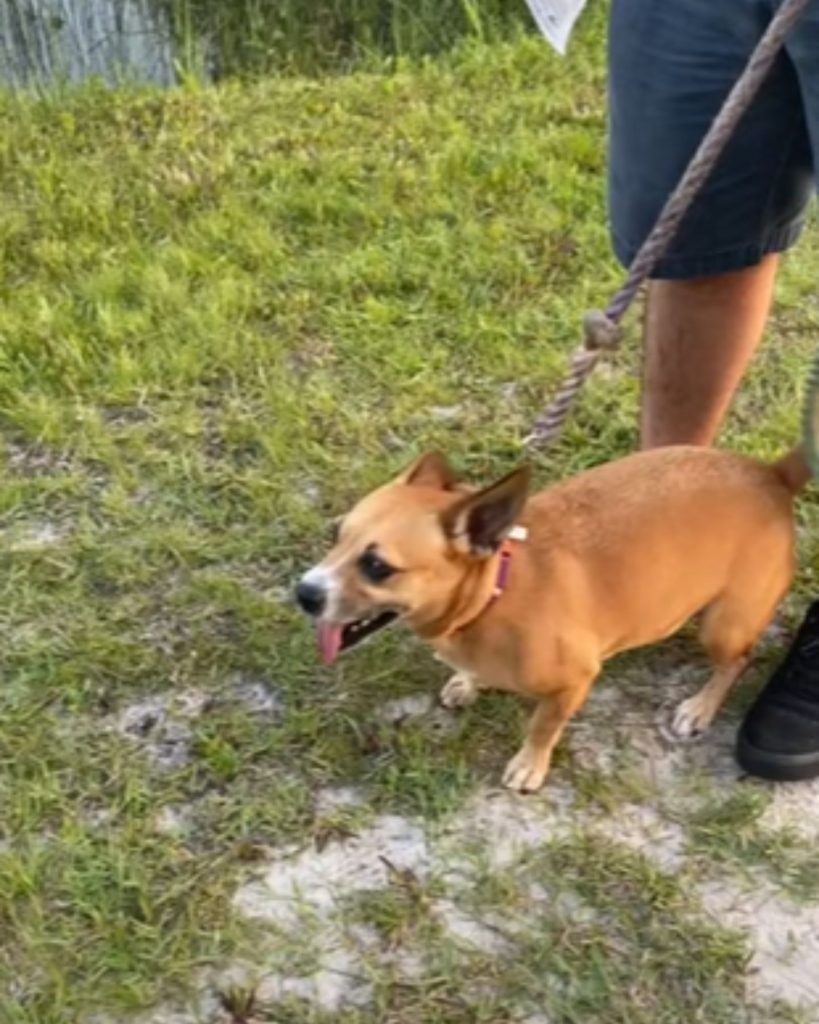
<point x="254" y="36"/>
<point x="728" y="830"/>
<point x="243" y="38"/>
<point x="586" y="931"/>
<point x="224" y="314"/>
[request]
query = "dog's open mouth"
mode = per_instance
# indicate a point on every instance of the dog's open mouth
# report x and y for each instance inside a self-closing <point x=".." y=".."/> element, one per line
<point x="334" y="637"/>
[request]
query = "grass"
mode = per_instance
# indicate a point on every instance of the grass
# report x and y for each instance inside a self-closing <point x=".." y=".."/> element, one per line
<point x="223" y="314"/>
<point x="254" y="36"/>
<point x="160" y="40"/>
<point x="729" y="829"/>
<point x="612" y="939"/>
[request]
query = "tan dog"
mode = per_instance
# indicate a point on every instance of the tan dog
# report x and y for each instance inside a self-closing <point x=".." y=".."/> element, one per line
<point x="613" y="559"/>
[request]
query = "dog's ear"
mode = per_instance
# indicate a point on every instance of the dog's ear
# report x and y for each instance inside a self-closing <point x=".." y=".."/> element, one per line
<point x="430" y="470"/>
<point x="477" y="524"/>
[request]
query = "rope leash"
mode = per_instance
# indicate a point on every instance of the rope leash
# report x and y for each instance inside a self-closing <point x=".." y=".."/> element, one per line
<point x="601" y="329"/>
<point x="810" y="421"/>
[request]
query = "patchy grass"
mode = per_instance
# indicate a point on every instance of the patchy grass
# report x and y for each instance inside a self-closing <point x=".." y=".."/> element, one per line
<point x="223" y="314"/>
<point x="579" y="929"/>
<point x="729" y="829"/>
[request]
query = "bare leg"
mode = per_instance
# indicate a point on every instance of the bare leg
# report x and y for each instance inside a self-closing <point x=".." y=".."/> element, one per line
<point x="700" y="336"/>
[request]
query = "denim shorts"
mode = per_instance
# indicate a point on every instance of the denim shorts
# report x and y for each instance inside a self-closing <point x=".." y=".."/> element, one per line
<point x="671" y="65"/>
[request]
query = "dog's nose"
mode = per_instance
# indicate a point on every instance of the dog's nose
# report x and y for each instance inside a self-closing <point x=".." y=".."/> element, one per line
<point x="311" y="597"/>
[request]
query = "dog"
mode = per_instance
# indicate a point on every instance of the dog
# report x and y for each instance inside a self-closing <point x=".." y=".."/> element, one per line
<point x="533" y="594"/>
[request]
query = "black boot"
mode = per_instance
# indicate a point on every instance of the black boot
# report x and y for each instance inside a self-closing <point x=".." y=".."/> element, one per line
<point x="779" y="739"/>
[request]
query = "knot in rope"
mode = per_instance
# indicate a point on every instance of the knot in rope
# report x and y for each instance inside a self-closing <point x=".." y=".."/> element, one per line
<point x="600" y="331"/>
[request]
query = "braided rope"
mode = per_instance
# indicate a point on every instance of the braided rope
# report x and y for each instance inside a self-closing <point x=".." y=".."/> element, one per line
<point x="602" y="329"/>
<point x="810" y="421"/>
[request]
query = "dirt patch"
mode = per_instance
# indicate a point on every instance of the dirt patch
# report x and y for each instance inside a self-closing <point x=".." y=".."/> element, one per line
<point x="33" y="536"/>
<point x="173" y="821"/>
<point x="332" y="799"/>
<point x="36" y="460"/>
<point x="794" y="807"/>
<point x="255" y="695"/>
<point x="643" y="829"/>
<point x="488" y="934"/>
<point x="314" y="879"/>
<point x="160" y="727"/>
<point x="497" y="828"/>
<point x="418" y="708"/>
<point x="406" y="709"/>
<point x="622" y="733"/>
<point x="784" y="938"/>
<point x="301" y="893"/>
<point x="335" y="982"/>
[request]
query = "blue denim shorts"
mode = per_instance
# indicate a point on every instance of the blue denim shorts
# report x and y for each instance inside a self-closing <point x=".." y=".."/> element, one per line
<point x="671" y="65"/>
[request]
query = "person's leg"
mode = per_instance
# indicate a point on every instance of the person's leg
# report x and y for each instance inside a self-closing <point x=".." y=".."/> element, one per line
<point x="700" y="336"/>
<point x="670" y="68"/>
<point x="779" y="738"/>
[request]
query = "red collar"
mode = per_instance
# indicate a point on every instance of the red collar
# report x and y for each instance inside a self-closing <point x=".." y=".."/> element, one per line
<point x="502" y="578"/>
<point x="517" y="533"/>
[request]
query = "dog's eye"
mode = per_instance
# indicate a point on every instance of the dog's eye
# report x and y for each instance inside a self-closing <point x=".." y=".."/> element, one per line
<point x="374" y="568"/>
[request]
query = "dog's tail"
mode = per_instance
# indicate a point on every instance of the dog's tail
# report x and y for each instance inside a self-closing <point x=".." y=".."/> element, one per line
<point x="801" y="464"/>
<point x="793" y="470"/>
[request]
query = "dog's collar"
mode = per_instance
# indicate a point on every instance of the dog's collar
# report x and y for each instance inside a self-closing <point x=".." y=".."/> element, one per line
<point x="519" y="533"/>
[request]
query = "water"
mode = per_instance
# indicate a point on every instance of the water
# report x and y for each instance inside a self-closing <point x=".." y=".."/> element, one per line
<point x="48" y="41"/>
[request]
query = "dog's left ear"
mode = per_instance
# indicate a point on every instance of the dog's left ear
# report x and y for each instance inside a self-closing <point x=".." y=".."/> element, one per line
<point x="477" y="524"/>
<point x="430" y="470"/>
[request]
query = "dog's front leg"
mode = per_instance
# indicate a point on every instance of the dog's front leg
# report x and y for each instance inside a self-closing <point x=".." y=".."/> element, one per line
<point x="460" y="691"/>
<point x="528" y="769"/>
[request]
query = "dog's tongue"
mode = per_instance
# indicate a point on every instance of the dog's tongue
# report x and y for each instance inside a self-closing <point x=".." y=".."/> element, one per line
<point x="328" y="635"/>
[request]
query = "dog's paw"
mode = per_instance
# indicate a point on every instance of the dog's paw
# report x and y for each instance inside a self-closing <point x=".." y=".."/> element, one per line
<point x="526" y="772"/>
<point x="459" y="692"/>
<point x="691" y="719"/>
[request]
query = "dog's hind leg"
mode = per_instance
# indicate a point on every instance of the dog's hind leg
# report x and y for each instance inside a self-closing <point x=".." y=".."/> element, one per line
<point x="730" y="629"/>
<point x="694" y="715"/>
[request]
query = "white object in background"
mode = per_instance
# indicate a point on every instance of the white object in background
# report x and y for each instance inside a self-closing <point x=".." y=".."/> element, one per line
<point x="556" y="19"/>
